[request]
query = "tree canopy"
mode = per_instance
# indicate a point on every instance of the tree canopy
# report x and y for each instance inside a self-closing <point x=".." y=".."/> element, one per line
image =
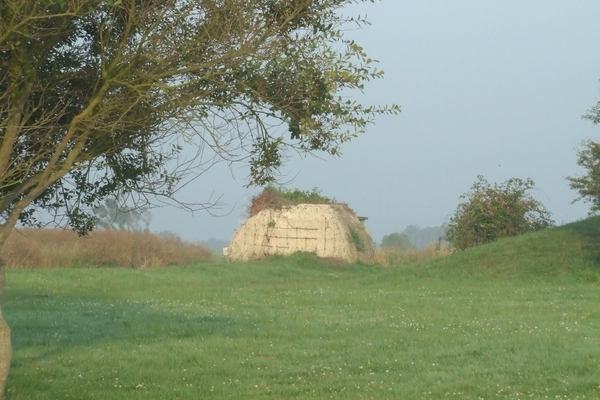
<point x="108" y="98"/>
<point x="588" y="185"/>
<point x="101" y="97"/>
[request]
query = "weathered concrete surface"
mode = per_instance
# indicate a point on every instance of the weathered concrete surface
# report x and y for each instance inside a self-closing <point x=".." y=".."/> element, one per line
<point x="329" y="230"/>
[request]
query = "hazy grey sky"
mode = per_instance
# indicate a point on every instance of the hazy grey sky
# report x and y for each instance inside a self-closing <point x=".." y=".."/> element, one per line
<point x="495" y="88"/>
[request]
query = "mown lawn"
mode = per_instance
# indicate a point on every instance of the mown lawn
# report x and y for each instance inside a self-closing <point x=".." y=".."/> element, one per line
<point x="299" y="329"/>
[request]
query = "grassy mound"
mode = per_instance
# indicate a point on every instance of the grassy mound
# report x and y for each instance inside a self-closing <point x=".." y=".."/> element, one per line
<point x="568" y="250"/>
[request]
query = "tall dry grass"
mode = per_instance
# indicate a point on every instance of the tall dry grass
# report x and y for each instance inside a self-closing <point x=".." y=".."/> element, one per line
<point x="386" y="258"/>
<point x="54" y="248"/>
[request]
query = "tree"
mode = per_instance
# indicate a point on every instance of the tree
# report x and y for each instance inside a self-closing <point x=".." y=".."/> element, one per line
<point x="489" y="213"/>
<point x="588" y="186"/>
<point x="423" y="237"/>
<point x="100" y="98"/>
<point x="111" y="215"/>
<point x="396" y="241"/>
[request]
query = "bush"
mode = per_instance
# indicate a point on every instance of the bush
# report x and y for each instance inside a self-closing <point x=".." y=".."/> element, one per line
<point x="275" y="198"/>
<point x="588" y="186"/>
<point x="56" y="248"/>
<point x="489" y="213"/>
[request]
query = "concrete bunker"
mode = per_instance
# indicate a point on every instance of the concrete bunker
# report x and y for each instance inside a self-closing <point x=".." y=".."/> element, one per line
<point x="328" y="230"/>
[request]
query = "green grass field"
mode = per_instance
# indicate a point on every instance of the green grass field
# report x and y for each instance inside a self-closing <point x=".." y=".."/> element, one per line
<point x="515" y="319"/>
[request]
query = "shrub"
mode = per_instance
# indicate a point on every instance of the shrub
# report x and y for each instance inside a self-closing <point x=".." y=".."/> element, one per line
<point x="588" y="186"/>
<point x="56" y="248"/>
<point x="355" y="237"/>
<point x="276" y="198"/>
<point x="489" y="213"/>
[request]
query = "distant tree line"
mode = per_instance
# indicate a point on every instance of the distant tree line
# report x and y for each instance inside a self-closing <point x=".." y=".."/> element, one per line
<point x="413" y="237"/>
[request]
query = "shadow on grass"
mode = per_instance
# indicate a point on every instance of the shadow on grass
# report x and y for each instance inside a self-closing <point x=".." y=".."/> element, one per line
<point x="53" y="324"/>
<point x="589" y="231"/>
<point x="587" y="267"/>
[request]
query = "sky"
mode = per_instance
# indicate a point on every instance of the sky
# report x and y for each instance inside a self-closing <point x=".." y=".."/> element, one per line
<point x="492" y="88"/>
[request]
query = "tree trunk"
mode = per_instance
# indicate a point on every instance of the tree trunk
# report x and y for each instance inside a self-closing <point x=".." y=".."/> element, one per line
<point x="5" y="345"/>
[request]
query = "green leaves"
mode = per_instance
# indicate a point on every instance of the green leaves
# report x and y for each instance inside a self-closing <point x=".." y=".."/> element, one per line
<point x="276" y="197"/>
<point x="489" y="213"/>
<point x="588" y="185"/>
<point x="113" y="96"/>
